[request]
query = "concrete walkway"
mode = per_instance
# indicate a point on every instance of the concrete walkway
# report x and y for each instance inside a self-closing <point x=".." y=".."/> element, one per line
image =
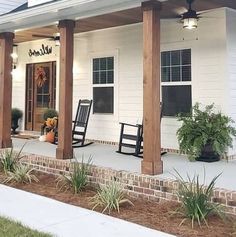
<point x="65" y="220"/>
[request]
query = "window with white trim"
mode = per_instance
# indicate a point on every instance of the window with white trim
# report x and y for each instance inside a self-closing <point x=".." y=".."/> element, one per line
<point x="176" y="76"/>
<point x="103" y="85"/>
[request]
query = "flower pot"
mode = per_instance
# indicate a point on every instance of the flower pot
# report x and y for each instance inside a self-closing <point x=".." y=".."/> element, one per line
<point x="50" y="136"/>
<point x="208" y="154"/>
<point x="14" y="125"/>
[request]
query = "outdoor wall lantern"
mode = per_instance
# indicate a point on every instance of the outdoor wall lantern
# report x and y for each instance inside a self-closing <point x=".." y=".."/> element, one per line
<point x="57" y="39"/>
<point x="14" y="56"/>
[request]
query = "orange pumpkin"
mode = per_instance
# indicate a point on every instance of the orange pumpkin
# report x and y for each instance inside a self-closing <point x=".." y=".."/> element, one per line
<point x="50" y="136"/>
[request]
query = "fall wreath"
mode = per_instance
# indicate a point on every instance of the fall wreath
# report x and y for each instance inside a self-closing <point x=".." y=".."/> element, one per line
<point x="40" y="76"/>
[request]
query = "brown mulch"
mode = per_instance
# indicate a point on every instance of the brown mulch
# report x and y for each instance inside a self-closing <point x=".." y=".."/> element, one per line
<point x="150" y="214"/>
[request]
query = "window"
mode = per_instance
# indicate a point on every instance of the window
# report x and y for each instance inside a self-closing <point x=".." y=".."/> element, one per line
<point x="176" y="82"/>
<point x="103" y="85"/>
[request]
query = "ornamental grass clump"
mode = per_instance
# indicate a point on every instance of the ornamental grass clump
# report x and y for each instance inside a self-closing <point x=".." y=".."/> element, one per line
<point x="110" y="197"/>
<point x="196" y="199"/>
<point x="77" y="179"/>
<point x="21" y="174"/>
<point x="10" y="159"/>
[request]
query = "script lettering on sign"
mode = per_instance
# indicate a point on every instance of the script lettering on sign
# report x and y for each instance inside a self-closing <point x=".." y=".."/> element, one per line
<point x="44" y="50"/>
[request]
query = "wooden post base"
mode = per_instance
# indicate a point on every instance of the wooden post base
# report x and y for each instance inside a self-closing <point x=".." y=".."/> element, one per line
<point x="62" y="154"/>
<point x="152" y="168"/>
<point x="6" y="144"/>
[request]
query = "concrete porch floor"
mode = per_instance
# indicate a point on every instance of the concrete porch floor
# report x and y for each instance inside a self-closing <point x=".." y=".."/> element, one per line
<point x="106" y="156"/>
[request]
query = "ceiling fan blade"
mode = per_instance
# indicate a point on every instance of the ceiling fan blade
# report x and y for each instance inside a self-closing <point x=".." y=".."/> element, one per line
<point x="180" y="11"/>
<point x="42" y="36"/>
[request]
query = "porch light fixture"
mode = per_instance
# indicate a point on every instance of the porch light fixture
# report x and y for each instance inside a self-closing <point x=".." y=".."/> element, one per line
<point x="57" y="39"/>
<point x="14" y="56"/>
<point x="190" y="20"/>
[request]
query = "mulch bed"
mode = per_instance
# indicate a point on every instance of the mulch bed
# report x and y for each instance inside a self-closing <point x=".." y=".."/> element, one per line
<point x="150" y="214"/>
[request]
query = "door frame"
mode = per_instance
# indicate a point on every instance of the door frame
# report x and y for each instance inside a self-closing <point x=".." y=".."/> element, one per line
<point x="30" y="126"/>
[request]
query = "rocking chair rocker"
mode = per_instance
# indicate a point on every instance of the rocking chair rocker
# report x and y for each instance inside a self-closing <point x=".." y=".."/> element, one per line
<point x="134" y="141"/>
<point x="80" y="123"/>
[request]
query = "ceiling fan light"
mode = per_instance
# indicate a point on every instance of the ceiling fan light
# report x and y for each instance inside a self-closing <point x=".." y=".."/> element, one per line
<point x="190" y="23"/>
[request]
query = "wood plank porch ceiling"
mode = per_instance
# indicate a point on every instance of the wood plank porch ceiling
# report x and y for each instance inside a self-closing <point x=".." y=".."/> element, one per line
<point x="171" y="9"/>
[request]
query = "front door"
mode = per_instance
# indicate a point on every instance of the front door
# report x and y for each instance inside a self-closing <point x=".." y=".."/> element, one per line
<point x="40" y="92"/>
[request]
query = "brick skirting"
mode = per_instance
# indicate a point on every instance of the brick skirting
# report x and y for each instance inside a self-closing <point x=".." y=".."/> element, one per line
<point x="151" y="188"/>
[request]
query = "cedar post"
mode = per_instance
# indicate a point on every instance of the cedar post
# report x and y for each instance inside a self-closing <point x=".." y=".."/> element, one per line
<point x="64" y="149"/>
<point x="152" y="163"/>
<point x="6" y="48"/>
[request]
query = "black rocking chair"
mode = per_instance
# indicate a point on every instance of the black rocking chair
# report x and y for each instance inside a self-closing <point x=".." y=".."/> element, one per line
<point x="80" y="123"/>
<point x="134" y="141"/>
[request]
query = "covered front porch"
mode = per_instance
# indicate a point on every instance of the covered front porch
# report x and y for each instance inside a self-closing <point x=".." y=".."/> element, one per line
<point x="86" y="18"/>
<point x="105" y="156"/>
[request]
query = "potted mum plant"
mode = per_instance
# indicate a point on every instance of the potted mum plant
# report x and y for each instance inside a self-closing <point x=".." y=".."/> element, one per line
<point x="50" y="117"/>
<point x="16" y="114"/>
<point x="205" y="134"/>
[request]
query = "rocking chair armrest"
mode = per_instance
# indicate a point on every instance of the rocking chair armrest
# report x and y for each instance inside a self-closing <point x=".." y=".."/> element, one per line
<point x="131" y="125"/>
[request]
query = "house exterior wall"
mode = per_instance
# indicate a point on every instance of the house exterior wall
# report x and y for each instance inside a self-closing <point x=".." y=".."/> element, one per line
<point x="231" y="67"/>
<point x="209" y="71"/>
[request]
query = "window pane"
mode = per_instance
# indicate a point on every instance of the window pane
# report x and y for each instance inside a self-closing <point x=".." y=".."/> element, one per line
<point x="96" y="64"/>
<point x="186" y="57"/>
<point x="175" y="57"/>
<point x="103" y="98"/>
<point x="165" y="74"/>
<point x="96" y="78"/>
<point x="165" y="58"/>
<point x="175" y="73"/>
<point x="110" y="77"/>
<point x="103" y="63"/>
<point x="110" y="63"/>
<point x="186" y="73"/>
<point x="176" y="99"/>
<point x="103" y="77"/>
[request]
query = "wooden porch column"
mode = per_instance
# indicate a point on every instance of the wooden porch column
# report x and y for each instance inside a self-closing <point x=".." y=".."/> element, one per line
<point x="64" y="149"/>
<point x="6" y="48"/>
<point x="152" y="163"/>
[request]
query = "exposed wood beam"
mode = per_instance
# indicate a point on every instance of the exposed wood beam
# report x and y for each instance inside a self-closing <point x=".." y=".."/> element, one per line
<point x="6" y="48"/>
<point x="64" y="149"/>
<point x="152" y="163"/>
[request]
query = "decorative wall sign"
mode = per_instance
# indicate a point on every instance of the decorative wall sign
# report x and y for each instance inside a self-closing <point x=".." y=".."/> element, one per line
<point x="44" y="50"/>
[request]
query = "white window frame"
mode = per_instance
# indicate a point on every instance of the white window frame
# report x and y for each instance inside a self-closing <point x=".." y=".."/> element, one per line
<point x="177" y="83"/>
<point x="115" y="54"/>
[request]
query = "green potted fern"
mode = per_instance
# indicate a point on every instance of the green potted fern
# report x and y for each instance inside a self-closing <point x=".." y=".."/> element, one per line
<point x="205" y="134"/>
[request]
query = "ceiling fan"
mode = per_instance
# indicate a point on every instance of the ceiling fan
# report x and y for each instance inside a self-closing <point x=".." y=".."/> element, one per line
<point x="188" y="16"/>
<point x="55" y="37"/>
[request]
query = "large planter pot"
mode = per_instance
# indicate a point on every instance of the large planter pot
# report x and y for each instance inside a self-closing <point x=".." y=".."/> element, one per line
<point x="14" y="125"/>
<point x="208" y="155"/>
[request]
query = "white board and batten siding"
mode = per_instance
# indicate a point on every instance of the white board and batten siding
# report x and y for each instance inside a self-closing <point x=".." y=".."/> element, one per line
<point x="231" y="69"/>
<point x="209" y="71"/>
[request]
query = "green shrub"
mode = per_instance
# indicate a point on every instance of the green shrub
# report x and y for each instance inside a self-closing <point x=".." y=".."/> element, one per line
<point x="110" y="197"/>
<point x="16" y="114"/>
<point x="196" y="199"/>
<point x="202" y="127"/>
<point x="49" y="113"/>
<point x="77" y="178"/>
<point x="21" y="174"/>
<point x="9" y="159"/>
